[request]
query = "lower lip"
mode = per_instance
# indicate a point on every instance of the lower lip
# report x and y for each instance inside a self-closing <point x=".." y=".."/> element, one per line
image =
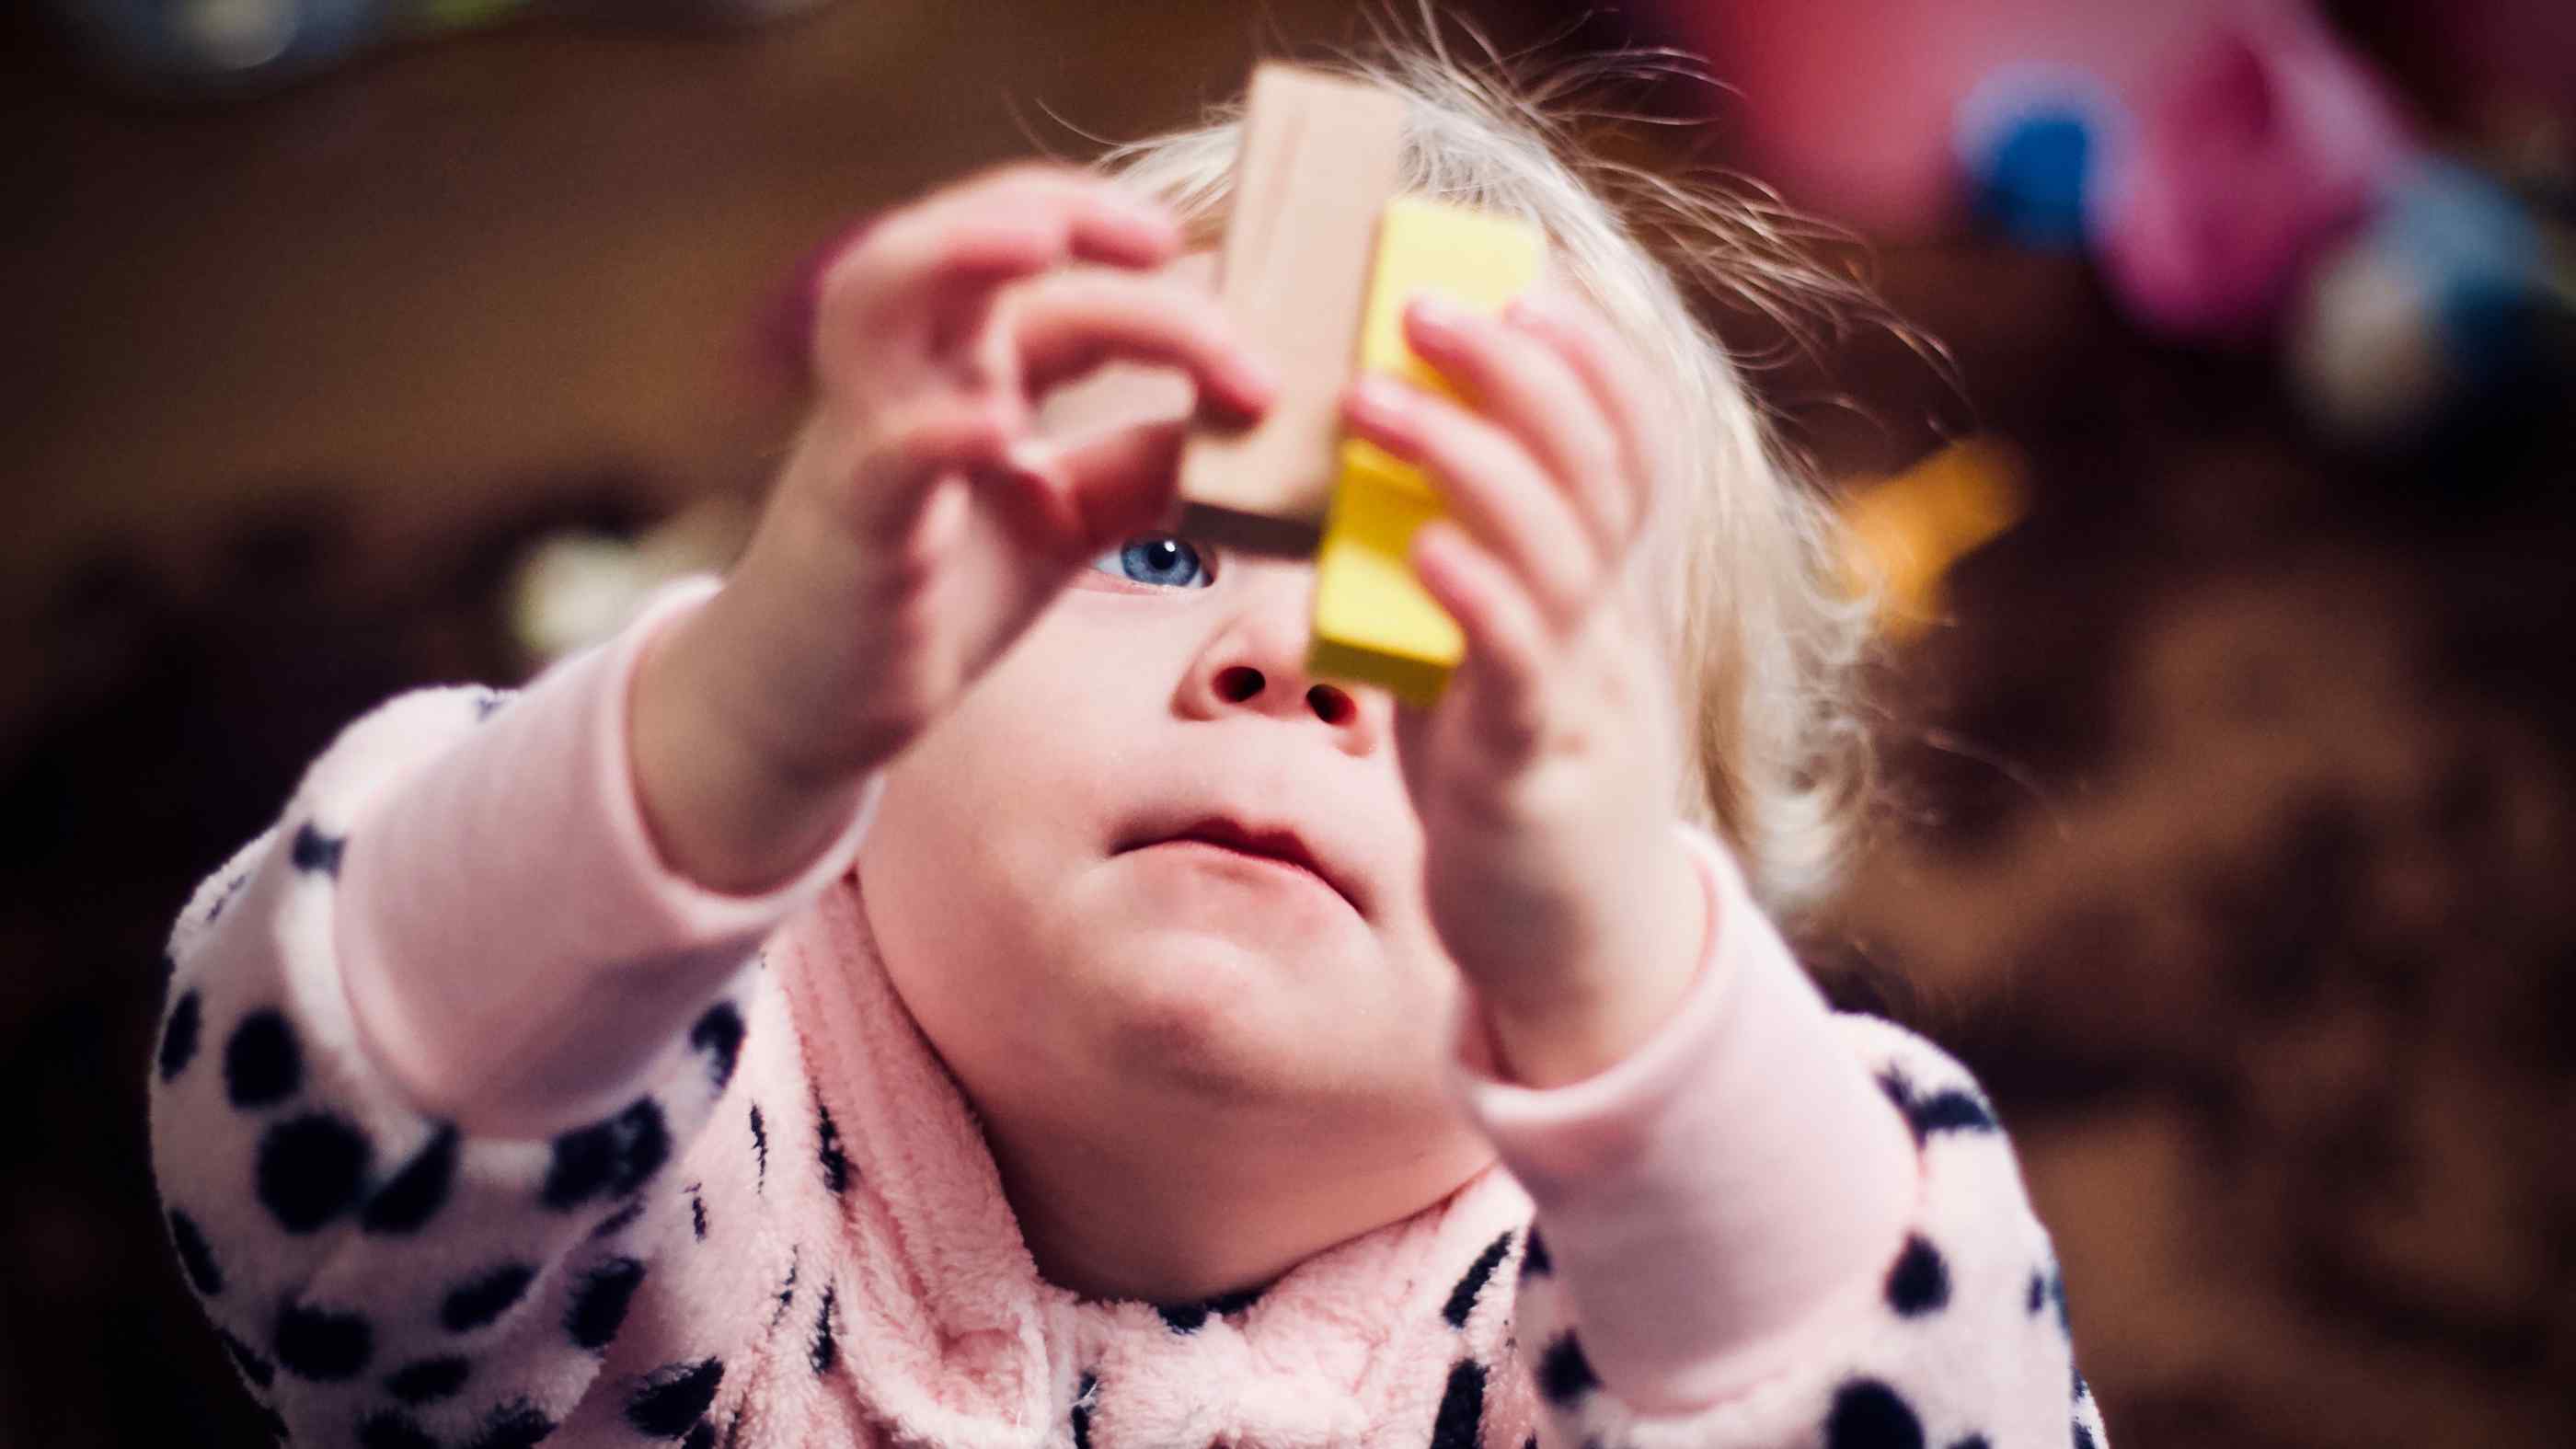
<point x="1240" y="859"/>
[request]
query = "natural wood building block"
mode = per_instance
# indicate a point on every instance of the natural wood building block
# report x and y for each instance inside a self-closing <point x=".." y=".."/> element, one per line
<point x="1373" y="619"/>
<point x="1319" y="161"/>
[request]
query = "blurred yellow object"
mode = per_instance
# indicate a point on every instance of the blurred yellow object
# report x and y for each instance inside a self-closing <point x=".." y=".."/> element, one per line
<point x="1905" y="532"/>
<point x="1373" y="619"/>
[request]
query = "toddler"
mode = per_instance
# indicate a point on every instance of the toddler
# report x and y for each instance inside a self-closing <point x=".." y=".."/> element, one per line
<point x="959" y="981"/>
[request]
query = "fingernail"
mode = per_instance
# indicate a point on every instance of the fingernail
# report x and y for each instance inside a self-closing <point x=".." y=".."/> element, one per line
<point x="1378" y="394"/>
<point x="1530" y="309"/>
<point x="1438" y="313"/>
<point x="1259" y="381"/>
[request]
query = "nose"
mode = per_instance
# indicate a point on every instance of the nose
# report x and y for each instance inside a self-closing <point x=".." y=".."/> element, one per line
<point x="1254" y="658"/>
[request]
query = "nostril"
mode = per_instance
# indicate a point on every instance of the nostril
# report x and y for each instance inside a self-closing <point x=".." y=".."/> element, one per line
<point x="1330" y="704"/>
<point x="1239" y="683"/>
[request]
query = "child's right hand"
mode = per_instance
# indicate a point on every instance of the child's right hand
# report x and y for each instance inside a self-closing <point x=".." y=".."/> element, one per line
<point x="920" y="525"/>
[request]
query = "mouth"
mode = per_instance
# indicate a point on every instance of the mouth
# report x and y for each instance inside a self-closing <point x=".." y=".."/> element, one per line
<point x="1276" y="843"/>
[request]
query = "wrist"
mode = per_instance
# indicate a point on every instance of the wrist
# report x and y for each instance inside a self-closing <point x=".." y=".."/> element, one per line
<point x="1600" y="1011"/>
<point x="719" y="809"/>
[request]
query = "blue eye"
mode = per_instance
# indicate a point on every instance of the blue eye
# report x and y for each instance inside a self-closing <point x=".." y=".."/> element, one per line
<point x="1156" y="559"/>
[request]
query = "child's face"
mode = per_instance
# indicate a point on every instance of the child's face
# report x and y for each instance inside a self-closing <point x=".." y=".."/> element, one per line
<point x="1066" y="966"/>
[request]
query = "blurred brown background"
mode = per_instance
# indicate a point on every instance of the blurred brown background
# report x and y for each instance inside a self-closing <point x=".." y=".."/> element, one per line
<point x="2229" y="816"/>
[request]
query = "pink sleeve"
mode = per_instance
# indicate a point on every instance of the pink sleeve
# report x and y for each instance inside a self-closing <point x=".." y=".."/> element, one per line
<point x="1726" y="1201"/>
<point x="516" y="953"/>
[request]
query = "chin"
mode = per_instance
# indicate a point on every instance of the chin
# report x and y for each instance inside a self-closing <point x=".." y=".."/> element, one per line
<point x="1217" y="1018"/>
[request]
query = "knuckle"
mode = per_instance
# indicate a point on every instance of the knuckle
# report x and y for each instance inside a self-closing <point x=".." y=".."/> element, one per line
<point x="845" y="275"/>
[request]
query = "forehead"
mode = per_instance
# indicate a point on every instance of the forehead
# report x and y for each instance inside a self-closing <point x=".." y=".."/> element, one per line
<point x="1123" y="394"/>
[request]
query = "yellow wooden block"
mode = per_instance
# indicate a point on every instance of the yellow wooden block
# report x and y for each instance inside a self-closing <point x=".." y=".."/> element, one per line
<point x="1374" y="621"/>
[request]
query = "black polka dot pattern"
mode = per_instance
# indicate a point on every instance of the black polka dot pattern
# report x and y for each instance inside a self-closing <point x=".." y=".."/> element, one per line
<point x="480" y="1301"/>
<point x="827" y="1150"/>
<point x="600" y="1299"/>
<point x="614" y="1157"/>
<point x="1868" y="1414"/>
<point x="1952" y="1109"/>
<point x="719" y="1035"/>
<point x="759" y="1152"/>
<point x="392" y="1429"/>
<point x="316" y="1169"/>
<point x="310" y="1170"/>
<point x="823" y="1352"/>
<point x="262" y="1064"/>
<point x="1192" y="1316"/>
<point x="179" y="1035"/>
<point x="232" y="888"/>
<point x="2048" y="1289"/>
<point x="317" y="852"/>
<point x="418" y="1191"/>
<point x="194" y="1256"/>
<point x="1564" y="1374"/>
<point x="1081" y="1415"/>
<point x="787" y="1290"/>
<point x="1462" y="1299"/>
<point x="1460" y="1422"/>
<point x="1535" y="1262"/>
<point x="429" y="1380"/>
<point x="1920" y="1281"/>
<point x="517" y="1425"/>
<point x="323" y="1346"/>
<point x="674" y="1397"/>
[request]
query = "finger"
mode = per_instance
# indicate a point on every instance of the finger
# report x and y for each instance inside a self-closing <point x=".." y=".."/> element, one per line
<point x="1530" y="390"/>
<point x="898" y="473"/>
<point x="1120" y="483"/>
<point x="1490" y="484"/>
<point x="1506" y="639"/>
<point x="1015" y="223"/>
<point x="1615" y="379"/>
<point x="1102" y="220"/>
<point x="1069" y="324"/>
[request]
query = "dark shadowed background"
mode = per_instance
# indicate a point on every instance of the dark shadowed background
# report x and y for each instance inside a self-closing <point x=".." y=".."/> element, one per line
<point x="2230" y="811"/>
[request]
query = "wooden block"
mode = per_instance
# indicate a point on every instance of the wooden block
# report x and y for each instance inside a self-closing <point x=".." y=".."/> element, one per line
<point x="1318" y="163"/>
<point x="1373" y="620"/>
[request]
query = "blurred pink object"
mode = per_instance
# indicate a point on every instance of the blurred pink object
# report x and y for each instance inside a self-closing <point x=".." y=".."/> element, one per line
<point x="1850" y="107"/>
<point x="2268" y="146"/>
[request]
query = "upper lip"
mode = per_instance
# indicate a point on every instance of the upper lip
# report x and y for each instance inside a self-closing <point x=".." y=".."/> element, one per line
<point x="1277" y="840"/>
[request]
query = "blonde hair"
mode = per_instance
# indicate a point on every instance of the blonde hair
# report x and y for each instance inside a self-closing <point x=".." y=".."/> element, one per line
<point x="1745" y="561"/>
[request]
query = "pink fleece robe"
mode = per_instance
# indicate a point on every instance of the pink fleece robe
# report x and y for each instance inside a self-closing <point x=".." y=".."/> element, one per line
<point x="749" y="1206"/>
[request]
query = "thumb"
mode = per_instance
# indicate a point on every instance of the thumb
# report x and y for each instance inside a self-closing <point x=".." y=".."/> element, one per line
<point x="895" y="479"/>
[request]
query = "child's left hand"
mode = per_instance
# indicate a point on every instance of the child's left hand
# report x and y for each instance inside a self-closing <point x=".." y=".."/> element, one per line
<point x="1546" y="776"/>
